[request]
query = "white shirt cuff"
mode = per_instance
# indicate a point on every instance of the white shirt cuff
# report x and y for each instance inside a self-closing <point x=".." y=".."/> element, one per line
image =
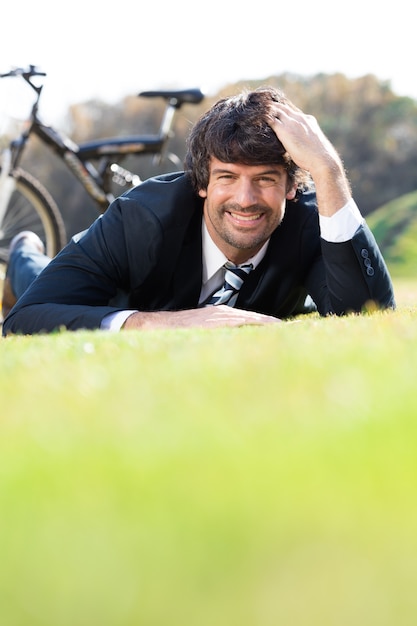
<point x="342" y="225"/>
<point x="114" y="321"/>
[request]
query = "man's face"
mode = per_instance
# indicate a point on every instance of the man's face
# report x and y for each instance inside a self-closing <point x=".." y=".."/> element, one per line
<point x="243" y="205"/>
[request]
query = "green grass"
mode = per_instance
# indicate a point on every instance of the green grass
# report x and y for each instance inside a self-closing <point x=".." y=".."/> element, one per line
<point x="241" y="477"/>
<point x="395" y="228"/>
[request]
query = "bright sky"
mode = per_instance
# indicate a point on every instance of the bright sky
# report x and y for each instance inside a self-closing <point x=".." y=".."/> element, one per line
<point x="108" y="49"/>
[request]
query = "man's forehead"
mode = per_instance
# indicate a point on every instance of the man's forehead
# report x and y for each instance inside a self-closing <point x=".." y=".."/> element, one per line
<point x="262" y="168"/>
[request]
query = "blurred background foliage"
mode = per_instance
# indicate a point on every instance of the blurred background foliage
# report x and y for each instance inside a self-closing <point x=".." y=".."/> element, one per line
<point x="374" y="130"/>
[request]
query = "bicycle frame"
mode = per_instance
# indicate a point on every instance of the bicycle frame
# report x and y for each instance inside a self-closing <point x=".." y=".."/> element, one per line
<point x="26" y="204"/>
<point x="69" y="152"/>
<point x="79" y="157"/>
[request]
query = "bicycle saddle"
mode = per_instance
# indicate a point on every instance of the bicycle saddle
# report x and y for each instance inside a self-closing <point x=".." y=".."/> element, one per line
<point x="182" y="96"/>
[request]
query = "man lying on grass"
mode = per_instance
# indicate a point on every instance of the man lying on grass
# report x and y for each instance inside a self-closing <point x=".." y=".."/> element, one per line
<point x="263" y="203"/>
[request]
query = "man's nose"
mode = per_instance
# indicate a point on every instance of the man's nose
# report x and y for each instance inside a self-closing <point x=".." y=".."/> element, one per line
<point x="246" y="194"/>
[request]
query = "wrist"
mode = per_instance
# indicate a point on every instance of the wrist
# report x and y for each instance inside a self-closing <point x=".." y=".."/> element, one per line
<point x="332" y="187"/>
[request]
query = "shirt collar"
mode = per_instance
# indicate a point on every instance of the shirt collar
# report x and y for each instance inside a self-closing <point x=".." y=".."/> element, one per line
<point x="214" y="259"/>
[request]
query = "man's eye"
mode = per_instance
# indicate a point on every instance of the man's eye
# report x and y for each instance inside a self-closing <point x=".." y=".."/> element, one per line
<point x="267" y="180"/>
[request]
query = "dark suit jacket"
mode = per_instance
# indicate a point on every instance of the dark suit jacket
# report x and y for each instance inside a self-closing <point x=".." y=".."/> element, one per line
<point x="148" y="245"/>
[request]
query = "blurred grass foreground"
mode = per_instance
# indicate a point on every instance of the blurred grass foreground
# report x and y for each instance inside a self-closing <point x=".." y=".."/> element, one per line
<point x="241" y="477"/>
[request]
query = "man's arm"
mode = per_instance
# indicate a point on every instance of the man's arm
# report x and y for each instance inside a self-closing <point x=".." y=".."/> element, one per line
<point x="310" y="149"/>
<point x="204" y="317"/>
<point x="74" y="291"/>
<point x="356" y="273"/>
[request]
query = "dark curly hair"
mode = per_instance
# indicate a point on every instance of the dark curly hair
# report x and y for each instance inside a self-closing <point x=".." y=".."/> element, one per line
<point x="236" y="130"/>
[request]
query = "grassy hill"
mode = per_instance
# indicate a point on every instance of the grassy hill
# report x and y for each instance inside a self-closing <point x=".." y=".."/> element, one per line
<point x="395" y="228"/>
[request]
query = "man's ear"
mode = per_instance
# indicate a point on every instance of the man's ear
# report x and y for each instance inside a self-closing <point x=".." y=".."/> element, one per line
<point x="203" y="193"/>
<point x="291" y="193"/>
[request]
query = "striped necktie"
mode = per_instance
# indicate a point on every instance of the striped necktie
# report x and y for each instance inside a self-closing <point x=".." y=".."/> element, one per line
<point x="233" y="280"/>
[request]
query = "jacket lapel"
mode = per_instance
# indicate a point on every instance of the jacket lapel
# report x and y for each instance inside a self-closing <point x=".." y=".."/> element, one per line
<point x="188" y="273"/>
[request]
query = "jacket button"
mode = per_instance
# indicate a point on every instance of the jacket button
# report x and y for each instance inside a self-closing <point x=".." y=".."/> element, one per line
<point x="370" y="271"/>
<point x="364" y="253"/>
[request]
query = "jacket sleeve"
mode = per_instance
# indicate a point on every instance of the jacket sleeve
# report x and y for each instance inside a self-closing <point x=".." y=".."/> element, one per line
<point x="76" y="289"/>
<point x="356" y="276"/>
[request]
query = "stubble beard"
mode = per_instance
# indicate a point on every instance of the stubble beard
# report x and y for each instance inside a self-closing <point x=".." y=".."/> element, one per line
<point x="245" y="241"/>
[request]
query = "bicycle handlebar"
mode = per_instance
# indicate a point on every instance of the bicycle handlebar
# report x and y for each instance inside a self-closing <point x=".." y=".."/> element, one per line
<point x="176" y="97"/>
<point x="26" y="73"/>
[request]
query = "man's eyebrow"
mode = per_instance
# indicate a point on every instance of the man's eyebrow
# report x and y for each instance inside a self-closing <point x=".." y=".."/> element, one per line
<point x="276" y="172"/>
<point x="221" y="170"/>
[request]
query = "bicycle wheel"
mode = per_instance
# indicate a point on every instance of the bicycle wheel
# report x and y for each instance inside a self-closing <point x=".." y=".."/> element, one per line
<point x="31" y="207"/>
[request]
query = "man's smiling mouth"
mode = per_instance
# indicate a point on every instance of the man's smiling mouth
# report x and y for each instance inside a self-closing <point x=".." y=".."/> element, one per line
<point x="245" y="217"/>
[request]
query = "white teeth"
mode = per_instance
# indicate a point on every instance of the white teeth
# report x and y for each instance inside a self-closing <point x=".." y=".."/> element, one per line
<point x="246" y="218"/>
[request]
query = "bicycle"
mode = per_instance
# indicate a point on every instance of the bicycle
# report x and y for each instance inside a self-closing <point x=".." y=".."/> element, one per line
<point x="25" y="203"/>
